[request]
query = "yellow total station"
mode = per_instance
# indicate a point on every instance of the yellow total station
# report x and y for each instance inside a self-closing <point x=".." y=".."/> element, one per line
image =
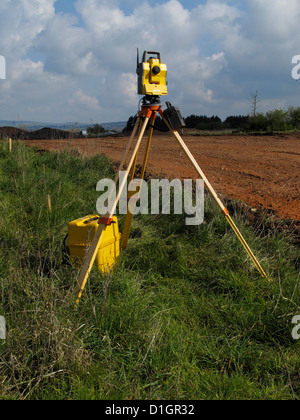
<point x="152" y="75"/>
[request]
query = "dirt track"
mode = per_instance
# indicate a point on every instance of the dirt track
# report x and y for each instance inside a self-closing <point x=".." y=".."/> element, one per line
<point x="262" y="171"/>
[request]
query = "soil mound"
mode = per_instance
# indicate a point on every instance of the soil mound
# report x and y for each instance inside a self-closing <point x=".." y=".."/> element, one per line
<point x="43" y="134"/>
<point x="48" y="134"/>
<point x="13" y="133"/>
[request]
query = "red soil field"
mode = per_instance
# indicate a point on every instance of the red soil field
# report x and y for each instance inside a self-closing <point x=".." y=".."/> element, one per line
<point x="262" y="171"/>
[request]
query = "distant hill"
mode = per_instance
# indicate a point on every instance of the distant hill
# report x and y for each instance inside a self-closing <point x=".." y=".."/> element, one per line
<point x="42" y="134"/>
<point x="33" y="125"/>
<point x="30" y="130"/>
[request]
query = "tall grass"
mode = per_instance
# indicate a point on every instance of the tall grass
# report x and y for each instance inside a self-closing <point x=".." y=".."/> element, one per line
<point x="184" y="315"/>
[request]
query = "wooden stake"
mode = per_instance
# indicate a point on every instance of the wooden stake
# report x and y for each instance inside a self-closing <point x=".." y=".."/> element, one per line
<point x="49" y="203"/>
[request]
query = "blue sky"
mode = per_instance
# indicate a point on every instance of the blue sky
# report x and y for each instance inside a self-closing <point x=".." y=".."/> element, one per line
<point x="76" y="60"/>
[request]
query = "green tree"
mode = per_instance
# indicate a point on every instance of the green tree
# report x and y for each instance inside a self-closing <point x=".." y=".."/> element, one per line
<point x="130" y="123"/>
<point x="96" y="130"/>
<point x="293" y="117"/>
<point x="277" y="120"/>
<point x="258" y="122"/>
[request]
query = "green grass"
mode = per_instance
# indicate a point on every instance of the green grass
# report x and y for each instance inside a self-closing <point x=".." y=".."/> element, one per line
<point x="185" y="315"/>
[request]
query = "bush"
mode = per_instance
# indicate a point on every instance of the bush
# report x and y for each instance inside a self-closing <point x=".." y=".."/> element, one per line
<point x="96" y="130"/>
<point x="277" y="120"/>
<point x="293" y="117"/>
<point x="258" y="123"/>
<point x="237" y="122"/>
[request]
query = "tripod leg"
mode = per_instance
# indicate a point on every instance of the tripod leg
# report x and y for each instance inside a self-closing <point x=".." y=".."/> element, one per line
<point x="94" y="248"/>
<point x="245" y="245"/>
<point x="88" y="263"/>
<point x="216" y="198"/>
<point x="152" y="121"/>
<point x="137" y="124"/>
<point x="138" y="143"/>
<point x="129" y="215"/>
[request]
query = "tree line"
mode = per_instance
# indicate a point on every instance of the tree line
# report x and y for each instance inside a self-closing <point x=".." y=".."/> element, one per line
<point x="274" y="120"/>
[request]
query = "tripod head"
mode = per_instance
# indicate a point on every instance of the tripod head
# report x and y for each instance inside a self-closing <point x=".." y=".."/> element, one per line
<point x="152" y="74"/>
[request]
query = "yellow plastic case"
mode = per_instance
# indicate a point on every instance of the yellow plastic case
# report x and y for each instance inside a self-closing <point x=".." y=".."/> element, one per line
<point x="80" y="235"/>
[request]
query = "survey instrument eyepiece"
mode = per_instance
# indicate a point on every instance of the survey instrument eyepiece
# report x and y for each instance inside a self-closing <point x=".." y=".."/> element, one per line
<point x="152" y="74"/>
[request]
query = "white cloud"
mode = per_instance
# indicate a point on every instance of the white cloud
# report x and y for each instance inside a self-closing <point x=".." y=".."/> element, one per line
<point x="211" y="66"/>
<point x="82" y="99"/>
<point x="20" y="22"/>
<point x="282" y="21"/>
<point x="127" y="85"/>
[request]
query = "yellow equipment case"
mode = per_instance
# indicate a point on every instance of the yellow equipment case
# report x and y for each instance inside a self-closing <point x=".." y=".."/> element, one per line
<point x="80" y="235"/>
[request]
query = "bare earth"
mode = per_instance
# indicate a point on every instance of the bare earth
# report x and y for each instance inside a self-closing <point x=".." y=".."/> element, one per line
<point x="262" y="171"/>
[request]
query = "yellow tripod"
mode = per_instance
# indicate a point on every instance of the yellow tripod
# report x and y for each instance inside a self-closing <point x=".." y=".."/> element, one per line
<point x="148" y="114"/>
